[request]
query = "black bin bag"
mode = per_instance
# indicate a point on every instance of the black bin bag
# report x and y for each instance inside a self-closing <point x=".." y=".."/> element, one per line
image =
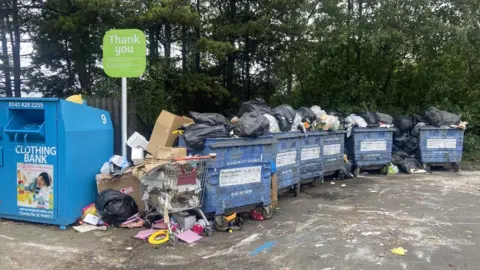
<point x="285" y="115"/>
<point x="115" y="207"/>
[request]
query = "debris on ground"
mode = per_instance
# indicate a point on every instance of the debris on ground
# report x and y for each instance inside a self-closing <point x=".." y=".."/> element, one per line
<point x="399" y="251"/>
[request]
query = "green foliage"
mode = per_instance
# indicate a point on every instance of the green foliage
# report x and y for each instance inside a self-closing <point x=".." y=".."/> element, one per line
<point x="210" y="55"/>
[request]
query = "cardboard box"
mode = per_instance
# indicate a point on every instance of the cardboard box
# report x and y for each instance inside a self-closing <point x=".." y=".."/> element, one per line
<point x="168" y="153"/>
<point x="162" y="134"/>
<point x="127" y="184"/>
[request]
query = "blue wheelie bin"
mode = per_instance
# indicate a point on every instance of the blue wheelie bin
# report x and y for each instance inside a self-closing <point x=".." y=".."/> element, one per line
<point x="50" y="152"/>
<point x="370" y="148"/>
<point x="440" y="147"/>
<point x="311" y="161"/>
<point x="239" y="178"/>
<point x="333" y="145"/>
<point x="287" y="161"/>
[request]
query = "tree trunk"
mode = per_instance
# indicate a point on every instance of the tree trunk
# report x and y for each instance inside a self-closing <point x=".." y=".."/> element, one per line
<point x="197" y="33"/>
<point x="17" y="70"/>
<point x="5" y="57"/>
<point x="152" y="45"/>
<point x="247" y="55"/>
<point x="184" y="48"/>
<point x="168" y="42"/>
<point x="80" y="63"/>
<point x="231" y="56"/>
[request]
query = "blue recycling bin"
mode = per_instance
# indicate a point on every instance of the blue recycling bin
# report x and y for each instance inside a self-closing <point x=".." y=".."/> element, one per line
<point x="311" y="161"/>
<point x="239" y="178"/>
<point x="370" y="148"/>
<point x="333" y="145"/>
<point x="440" y="147"/>
<point x="287" y="160"/>
<point x="50" y="151"/>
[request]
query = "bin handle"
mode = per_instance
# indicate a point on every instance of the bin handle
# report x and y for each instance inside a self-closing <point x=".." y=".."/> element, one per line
<point x="25" y="138"/>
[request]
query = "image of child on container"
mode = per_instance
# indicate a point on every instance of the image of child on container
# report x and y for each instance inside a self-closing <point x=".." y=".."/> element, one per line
<point x="38" y="189"/>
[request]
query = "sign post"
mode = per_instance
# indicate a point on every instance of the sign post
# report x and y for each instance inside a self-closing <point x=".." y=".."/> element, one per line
<point x="124" y="56"/>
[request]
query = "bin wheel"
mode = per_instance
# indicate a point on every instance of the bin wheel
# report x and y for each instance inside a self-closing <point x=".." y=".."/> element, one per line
<point x="455" y="167"/>
<point x="341" y="175"/>
<point x="173" y="240"/>
<point x="427" y="167"/>
<point x="296" y="190"/>
<point x="318" y="181"/>
<point x="239" y="224"/>
<point x="356" y="172"/>
<point x="220" y="223"/>
<point x="267" y="212"/>
<point x="207" y="231"/>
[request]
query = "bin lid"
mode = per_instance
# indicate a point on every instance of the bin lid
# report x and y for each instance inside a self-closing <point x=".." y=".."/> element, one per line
<point x="357" y="129"/>
<point x="10" y="99"/>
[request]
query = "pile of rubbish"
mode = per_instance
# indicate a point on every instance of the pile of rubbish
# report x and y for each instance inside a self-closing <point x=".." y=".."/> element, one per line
<point x="406" y="136"/>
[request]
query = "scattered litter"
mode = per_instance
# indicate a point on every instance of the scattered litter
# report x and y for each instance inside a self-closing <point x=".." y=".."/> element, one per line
<point x="373" y="191"/>
<point x="133" y="222"/>
<point x="319" y="245"/>
<point x="381" y="254"/>
<point x="129" y="248"/>
<point x="144" y="234"/>
<point x="332" y="183"/>
<point x="399" y="251"/>
<point x="87" y="227"/>
<point x="343" y="185"/>
<point x="188" y="236"/>
<point x="91" y="219"/>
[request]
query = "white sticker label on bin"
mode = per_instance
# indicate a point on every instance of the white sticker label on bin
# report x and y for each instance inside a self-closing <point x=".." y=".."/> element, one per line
<point x="286" y="158"/>
<point x="310" y="153"/>
<point x="332" y="149"/>
<point x="240" y="176"/>
<point x="368" y="146"/>
<point x="442" y="143"/>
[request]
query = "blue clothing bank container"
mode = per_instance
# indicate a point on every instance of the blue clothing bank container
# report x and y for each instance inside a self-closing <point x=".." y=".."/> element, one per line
<point x="50" y="151"/>
<point x="333" y="149"/>
<point x="441" y="147"/>
<point x="239" y="178"/>
<point x="370" y="148"/>
<point x="311" y="159"/>
<point x="287" y="160"/>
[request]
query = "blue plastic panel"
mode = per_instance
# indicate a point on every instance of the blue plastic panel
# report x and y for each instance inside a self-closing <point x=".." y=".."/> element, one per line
<point x="333" y="145"/>
<point x="370" y="146"/>
<point x="441" y="145"/>
<point x="287" y="158"/>
<point x="240" y="175"/>
<point x="311" y="163"/>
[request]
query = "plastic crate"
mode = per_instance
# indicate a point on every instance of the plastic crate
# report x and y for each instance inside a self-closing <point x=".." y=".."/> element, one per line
<point x="333" y="145"/>
<point x="239" y="176"/>
<point x="370" y="148"/>
<point x="441" y="146"/>
<point x="311" y="163"/>
<point x="287" y="160"/>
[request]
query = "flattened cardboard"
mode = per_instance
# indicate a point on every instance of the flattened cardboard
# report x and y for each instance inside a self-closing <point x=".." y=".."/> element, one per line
<point x="165" y="125"/>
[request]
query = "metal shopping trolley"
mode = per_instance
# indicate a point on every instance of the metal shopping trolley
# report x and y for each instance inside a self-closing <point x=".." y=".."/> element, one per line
<point x="175" y="186"/>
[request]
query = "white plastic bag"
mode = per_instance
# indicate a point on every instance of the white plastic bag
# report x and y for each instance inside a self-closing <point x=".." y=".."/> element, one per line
<point x="353" y="120"/>
<point x="297" y="122"/>
<point x="274" y="128"/>
<point x="331" y="123"/>
<point x="321" y="114"/>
